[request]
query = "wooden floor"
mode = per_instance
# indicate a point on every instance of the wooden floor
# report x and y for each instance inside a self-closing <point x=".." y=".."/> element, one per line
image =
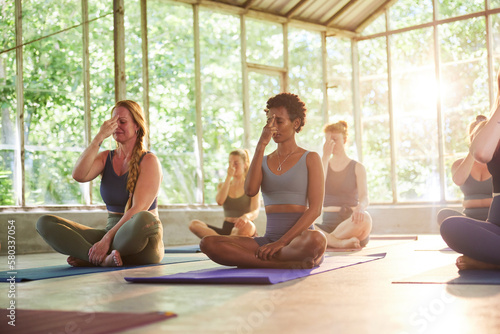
<point x="356" y="299"/>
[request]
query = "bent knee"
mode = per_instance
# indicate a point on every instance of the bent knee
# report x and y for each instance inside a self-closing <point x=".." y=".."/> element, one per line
<point x="313" y="240"/>
<point x="145" y="220"/>
<point x="207" y="244"/>
<point x="194" y="225"/>
<point x="44" y="224"/>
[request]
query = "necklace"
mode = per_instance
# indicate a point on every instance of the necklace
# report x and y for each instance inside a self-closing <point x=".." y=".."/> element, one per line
<point x="282" y="162"/>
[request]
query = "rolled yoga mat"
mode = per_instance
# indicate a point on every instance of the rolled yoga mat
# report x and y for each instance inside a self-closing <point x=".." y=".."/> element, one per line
<point x="231" y="275"/>
<point x="50" y="321"/>
<point x="33" y="274"/>
<point x="184" y="249"/>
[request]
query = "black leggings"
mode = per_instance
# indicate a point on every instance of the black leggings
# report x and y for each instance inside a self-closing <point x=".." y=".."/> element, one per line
<point x="226" y="229"/>
<point x="479" y="240"/>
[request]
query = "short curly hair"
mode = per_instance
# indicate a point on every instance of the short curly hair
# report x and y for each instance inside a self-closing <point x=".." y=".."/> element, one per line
<point x="293" y="105"/>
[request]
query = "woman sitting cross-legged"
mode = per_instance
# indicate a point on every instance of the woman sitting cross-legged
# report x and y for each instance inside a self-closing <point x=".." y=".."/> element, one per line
<point x="479" y="241"/>
<point x="240" y="210"/>
<point x="292" y="184"/>
<point x="133" y="236"/>
<point x="345" y="220"/>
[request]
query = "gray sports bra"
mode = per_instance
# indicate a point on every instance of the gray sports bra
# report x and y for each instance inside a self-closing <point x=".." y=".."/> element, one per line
<point x="474" y="189"/>
<point x="287" y="188"/>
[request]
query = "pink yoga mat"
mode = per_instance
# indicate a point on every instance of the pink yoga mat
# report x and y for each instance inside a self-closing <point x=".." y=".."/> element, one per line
<point x="49" y="321"/>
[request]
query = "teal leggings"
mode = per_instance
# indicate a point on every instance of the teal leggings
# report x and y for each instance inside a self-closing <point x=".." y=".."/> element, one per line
<point x="139" y="240"/>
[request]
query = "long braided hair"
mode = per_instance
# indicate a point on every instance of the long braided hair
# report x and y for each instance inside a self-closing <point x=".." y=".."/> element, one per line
<point x="139" y="147"/>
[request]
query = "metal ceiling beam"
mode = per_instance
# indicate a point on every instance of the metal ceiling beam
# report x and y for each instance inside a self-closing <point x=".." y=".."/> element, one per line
<point x="248" y="4"/>
<point x="341" y="11"/>
<point x="381" y="9"/>
<point x="295" y="8"/>
<point x="266" y="16"/>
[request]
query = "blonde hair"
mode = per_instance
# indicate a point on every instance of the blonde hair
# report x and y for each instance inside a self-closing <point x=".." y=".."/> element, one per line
<point x="339" y="127"/>
<point x="139" y="148"/>
<point x="244" y="154"/>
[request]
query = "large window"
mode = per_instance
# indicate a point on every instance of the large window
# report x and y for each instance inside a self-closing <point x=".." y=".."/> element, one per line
<point x="423" y="129"/>
<point x="172" y="99"/>
<point x="407" y="104"/>
<point x="373" y="91"/>
<point x="8" y="102"/>
<point x="221" y="95"/>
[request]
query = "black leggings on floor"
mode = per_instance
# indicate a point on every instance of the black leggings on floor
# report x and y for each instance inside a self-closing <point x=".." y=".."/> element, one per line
<point x="479" y="240"/>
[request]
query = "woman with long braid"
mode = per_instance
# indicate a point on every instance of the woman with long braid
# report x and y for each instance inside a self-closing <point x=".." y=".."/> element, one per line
<point x="130" y="181"/>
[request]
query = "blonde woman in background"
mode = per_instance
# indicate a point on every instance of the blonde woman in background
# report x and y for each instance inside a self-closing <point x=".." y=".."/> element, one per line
<point x="474" y="180"/>
<point x="345" y="220"/>
<point x="133" y="235"/>
<point x="240" y="210"/>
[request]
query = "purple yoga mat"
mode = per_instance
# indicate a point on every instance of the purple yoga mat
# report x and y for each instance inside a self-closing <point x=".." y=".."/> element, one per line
<point x="255" y="276"/>
<point x="50" y="321"/>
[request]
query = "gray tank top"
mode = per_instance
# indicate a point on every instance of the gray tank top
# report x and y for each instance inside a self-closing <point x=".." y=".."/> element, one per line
<point x="474" y="189"/>
<point x="287" y="188"/>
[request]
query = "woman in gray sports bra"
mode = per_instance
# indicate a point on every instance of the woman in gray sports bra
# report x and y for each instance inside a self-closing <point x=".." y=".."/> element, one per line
<point x="474" y="180"/>
<point x="240" y="210"/>
<point x="292" y="184"/>
<point x="346" y="222"/>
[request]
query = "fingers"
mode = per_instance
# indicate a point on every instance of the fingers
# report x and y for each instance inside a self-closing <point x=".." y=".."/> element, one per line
<point x="271" y="121"/>
<point x="94" y="256"/>
<point x="265" y="253"/>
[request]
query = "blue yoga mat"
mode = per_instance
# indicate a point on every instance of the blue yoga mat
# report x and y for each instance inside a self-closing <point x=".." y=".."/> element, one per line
<point x="255" y="276"/>
<point x="184" y="249"/>
<point x="33" y="274"/>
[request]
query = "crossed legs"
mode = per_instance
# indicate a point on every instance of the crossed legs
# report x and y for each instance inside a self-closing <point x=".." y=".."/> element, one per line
<point x="305" y="251"/>
<point x="138" y="241"/>
<point x="478" y="241"/>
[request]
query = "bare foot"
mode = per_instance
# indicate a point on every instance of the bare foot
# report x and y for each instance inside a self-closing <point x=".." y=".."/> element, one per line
<point x="114" y="259"/>
<point x="75" y="262"/>
<point x="347" y="243"/>
<point x="466" y="263"/>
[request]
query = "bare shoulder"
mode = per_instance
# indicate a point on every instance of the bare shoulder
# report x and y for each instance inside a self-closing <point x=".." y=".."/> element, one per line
<point x="313" y="158"/>
<point x="150" y="159"/>
<point x="457" y="163"/>
<point x="359" y="167"/>
<point x="102" y="156"/>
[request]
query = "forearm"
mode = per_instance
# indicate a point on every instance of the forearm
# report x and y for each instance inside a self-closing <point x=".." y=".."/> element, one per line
<point x="223" y="191"/>
<point x="254" y="176"/>
<point x="324" y="162"/>
<point x="462" y="172"/>
<point x="306" y="220"/>
<point x="486" y="140"/>
<point x="363" y="203"/>
<point x="251" y="216"/>
<point x="86" y="159"/>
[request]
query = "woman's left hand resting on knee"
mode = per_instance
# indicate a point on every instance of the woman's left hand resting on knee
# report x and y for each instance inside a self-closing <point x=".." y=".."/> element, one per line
<point x="358" y="215"/>
<point x="268" y="251"/>
<point x="99" y="251"/>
